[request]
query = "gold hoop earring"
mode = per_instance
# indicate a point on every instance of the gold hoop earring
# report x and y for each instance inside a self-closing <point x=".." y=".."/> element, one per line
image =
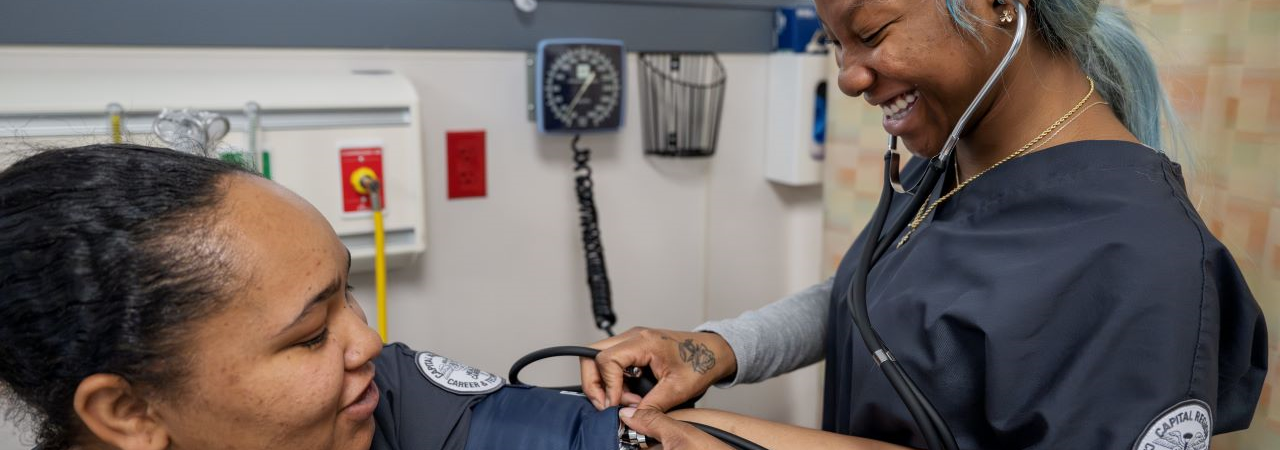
<point x="1006" y="17"/>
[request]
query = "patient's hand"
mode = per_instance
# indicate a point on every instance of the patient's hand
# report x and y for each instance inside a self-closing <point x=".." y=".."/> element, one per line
<point x="777" y="436"/>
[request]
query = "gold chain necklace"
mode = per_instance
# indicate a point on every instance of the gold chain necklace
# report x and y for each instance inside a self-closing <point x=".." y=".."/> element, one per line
<point x="928" y="208"/>
<point x="1059" y="130"/>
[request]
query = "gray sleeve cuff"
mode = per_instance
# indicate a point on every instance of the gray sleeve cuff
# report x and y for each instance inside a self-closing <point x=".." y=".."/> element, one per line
<point x="738" y="340"/>
<point x="778" y="338"/>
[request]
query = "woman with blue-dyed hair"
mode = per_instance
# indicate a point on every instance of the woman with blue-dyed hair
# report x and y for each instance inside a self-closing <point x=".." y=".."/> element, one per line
<point x="1056" y="289"/>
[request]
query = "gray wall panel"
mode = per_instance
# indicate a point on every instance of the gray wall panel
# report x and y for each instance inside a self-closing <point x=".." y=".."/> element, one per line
<point x="681" y="25"/>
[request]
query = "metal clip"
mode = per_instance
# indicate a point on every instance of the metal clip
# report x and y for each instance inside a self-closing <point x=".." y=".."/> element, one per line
<point x="629" y="439"/>
<point x="883" y="356"/>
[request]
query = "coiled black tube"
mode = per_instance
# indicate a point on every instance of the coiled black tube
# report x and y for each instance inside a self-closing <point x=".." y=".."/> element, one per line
<point x="592" y="247"/>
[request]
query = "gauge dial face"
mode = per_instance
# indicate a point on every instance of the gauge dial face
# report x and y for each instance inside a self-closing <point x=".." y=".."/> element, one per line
<point x="581" y="87"/>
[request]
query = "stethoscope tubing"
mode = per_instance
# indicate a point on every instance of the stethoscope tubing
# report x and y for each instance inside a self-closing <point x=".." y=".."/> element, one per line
<point x="1019" y="34"/>
<point x="933" y="428"/>
<point x="728" y="438"/>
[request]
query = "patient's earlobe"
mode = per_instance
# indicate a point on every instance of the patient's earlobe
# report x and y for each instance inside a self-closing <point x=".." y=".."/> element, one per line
<point x="114" y="413"/>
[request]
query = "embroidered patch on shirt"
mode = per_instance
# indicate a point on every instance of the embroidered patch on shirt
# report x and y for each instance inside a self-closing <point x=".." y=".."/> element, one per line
<point x="456" y="377"/>
<point x="1187" y="425"/>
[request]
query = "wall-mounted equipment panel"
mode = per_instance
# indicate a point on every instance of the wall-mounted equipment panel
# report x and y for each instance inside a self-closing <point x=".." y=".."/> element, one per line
<point x="304" y="121"/>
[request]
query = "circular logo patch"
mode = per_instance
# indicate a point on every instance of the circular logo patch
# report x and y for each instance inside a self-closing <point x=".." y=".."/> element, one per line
<point x="1187" y="425"/>
<point x="456" y="377"/>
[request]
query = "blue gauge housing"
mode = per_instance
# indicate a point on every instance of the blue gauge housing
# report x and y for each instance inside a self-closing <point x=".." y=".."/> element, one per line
<point x="579" y="85"/>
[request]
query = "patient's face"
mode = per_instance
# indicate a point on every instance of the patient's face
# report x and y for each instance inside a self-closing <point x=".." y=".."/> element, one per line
<point x="287" y="364"/>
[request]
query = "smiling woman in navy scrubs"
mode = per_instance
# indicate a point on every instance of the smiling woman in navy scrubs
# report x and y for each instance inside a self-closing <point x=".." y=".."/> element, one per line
<point x="1058" y="290"/>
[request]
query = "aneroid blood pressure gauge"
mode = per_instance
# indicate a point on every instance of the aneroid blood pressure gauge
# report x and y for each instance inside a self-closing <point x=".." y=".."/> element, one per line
<point x="579" y="85"/>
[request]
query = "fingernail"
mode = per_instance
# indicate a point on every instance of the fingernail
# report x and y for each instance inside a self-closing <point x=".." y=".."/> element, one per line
<point x="596" y="403"/>
<point x="627" y="412"/>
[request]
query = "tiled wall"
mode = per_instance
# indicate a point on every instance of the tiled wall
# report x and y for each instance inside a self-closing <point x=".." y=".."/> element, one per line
<point x="1221" y="61"/>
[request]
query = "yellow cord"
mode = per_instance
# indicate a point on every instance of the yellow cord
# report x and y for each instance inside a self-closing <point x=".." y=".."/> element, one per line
<point x="115" y="119"/>
<point x="380" y="270"/>
<point x="374" y="191"/>
<point x="116" y="136"/>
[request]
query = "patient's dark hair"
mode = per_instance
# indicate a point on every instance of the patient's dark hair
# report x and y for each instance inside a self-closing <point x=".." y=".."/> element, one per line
<point x="106" y="252"/>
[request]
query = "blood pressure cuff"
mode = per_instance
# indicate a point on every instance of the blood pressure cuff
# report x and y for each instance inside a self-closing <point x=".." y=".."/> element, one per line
<point x="540" y="419"/>
<point x="430" y="402"/>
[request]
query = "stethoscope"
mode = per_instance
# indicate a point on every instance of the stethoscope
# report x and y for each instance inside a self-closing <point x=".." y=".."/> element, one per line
<point x="936" y="434"/>
<point x="932" y="426"/>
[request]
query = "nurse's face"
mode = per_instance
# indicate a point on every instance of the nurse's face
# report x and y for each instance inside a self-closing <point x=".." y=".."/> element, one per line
<point x="287" y="364"/>
<point x="909" y="60"/>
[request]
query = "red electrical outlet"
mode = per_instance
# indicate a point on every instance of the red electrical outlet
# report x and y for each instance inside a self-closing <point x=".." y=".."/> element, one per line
<point x="355" y="158"/>
<point x="466" y="164"/>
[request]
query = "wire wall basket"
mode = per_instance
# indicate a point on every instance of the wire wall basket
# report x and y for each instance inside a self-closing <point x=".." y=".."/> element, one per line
<point x="681" y="100"/>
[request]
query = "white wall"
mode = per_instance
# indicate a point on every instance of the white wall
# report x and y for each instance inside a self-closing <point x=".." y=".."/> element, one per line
<point x="685" y="240"/>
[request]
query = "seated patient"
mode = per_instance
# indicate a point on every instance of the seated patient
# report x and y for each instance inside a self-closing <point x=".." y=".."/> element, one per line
<point x="151" y="299"/>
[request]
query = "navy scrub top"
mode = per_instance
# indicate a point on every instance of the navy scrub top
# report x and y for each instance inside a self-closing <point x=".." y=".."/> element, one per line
<point x="1071" y="298"/>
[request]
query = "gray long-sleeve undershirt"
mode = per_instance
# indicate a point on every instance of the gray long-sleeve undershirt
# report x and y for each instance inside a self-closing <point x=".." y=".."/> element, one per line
<point x="778" y="338"/>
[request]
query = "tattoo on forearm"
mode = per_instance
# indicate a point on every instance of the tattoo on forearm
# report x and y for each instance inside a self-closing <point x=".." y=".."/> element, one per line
<point x="697" y="355"/>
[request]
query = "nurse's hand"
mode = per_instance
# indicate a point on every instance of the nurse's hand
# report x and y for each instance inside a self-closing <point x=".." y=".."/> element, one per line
<point x="685" y="363"/>
<point x="673" y="434"/>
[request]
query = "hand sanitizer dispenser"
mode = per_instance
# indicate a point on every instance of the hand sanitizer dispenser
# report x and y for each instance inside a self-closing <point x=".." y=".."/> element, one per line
<point x="796" y="100"/>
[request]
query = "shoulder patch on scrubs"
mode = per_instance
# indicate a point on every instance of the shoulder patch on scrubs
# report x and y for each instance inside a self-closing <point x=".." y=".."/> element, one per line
<point x="456" y="377"/>
<point x="1187" y="425"/>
